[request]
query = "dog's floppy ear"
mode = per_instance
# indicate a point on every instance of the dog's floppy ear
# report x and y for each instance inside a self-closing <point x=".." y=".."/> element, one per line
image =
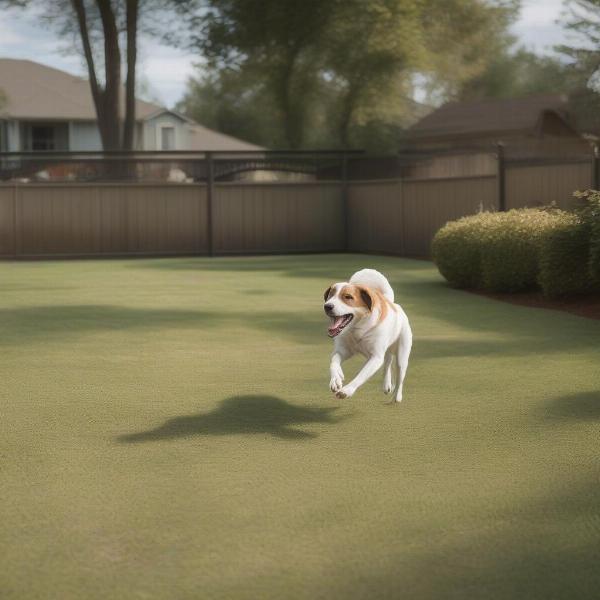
<point x="326" y="294"/>
<point x="365" y="294"/>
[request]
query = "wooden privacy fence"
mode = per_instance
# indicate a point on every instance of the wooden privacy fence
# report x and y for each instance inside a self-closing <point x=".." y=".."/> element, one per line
<point x="104" y="219"/>
<point x="386" y="216"/>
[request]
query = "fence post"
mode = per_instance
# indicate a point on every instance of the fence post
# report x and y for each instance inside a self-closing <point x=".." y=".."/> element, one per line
<point x="501" y="177"/>
<point x="16" y="221"/>
<point x="595" y="168"/>
<point x="345" y="209"/>
<point x="210" y="177"/>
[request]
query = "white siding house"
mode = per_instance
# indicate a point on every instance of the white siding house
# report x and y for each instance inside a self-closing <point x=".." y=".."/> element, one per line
<point x="48" y="109"/>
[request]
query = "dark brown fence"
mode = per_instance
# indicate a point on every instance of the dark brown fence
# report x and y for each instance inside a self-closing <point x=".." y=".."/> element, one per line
<point x="270" y="204"/>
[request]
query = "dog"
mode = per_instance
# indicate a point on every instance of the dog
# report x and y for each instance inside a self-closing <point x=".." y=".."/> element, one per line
<point x="365" y="320"/>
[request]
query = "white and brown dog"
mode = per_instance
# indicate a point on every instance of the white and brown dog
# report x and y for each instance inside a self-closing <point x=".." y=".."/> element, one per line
<point x="365" y="320"/>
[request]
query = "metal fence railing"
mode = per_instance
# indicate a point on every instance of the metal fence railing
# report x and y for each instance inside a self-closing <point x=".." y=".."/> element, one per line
<point x="175" y="167"/>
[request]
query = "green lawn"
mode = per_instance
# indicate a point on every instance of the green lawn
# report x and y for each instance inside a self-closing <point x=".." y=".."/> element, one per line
<point x="167" y="432"/>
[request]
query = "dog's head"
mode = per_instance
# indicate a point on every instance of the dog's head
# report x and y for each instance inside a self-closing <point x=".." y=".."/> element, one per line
<point x="346" y="304"/>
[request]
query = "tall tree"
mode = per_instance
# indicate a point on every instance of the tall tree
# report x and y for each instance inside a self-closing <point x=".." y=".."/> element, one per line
<point x="334" y="68"/>
<point x="462" y="37"/>
<point x="583" y="22"/>
<point x="371" y="47"/>
<point x="518" y="73"/>
<point x="276" y="38"/>
<point x="101" y="28"/>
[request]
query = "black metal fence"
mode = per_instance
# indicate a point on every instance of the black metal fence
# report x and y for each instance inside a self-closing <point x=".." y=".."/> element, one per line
<point x="186" y="166"/>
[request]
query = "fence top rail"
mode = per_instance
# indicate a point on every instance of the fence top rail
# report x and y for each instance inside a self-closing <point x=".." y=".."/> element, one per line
<point x="441" y="179"/>
<point x="176" y="153"/>
<point x="547" y="162"/>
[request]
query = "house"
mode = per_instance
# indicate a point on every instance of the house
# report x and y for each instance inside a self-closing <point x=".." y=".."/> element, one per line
<point x="47" y="109"/>
<point x="467" y="133"/>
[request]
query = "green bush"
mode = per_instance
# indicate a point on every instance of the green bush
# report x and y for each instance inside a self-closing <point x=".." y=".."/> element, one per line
<point x="494" y="251"/>
<point x="564" y="261"/>
<point x="589" y="212"/>
<point x="456" y="251"/>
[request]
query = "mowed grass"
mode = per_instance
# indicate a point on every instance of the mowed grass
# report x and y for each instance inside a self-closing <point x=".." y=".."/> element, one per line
<point x="167" y="432"/>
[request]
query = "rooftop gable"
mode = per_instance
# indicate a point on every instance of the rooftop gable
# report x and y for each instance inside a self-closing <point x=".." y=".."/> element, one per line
<point x="36" y="91"/>
<point x="487" y="116"/>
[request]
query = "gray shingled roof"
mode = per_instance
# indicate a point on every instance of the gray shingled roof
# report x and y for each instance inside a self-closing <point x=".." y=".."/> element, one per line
<point x="36" y="91"/>
<point x="468" y="118"/>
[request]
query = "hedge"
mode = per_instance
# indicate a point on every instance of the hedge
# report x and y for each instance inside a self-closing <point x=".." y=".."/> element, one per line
<point x="564" y="268"/>
<point x="589" y="212"/>
<point x="497" y="252"/>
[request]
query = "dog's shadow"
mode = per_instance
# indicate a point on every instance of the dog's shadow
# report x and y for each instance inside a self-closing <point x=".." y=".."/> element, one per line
<point x="251" y="414"/>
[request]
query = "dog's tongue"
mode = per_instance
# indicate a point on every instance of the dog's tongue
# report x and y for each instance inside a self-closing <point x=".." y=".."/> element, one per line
<point x="336" y="323"/>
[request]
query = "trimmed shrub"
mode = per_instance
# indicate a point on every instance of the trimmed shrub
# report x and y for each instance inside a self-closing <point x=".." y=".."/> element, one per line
<point x="564" y="261"/>
<point x="456" y="251"/>
<point x="494" y="251"/>
<point x="589" y="212"/>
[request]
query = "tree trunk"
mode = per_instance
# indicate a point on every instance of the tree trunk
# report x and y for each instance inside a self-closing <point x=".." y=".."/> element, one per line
<point x="347" y="112"/>
<point x="292" y="121"/>
<point x="112" y="66"/>
<point x="97" y="91"/>
<point x="129" y="127"/>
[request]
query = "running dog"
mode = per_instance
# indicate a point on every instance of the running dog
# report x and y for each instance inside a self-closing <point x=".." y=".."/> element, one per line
<point x="365" y="320"/>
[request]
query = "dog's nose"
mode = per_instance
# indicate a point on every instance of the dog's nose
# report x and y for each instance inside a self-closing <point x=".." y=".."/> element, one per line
<point x="328" y="308"/>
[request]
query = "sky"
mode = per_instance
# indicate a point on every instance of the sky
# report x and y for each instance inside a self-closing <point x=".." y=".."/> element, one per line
<point x="165" y="70"/>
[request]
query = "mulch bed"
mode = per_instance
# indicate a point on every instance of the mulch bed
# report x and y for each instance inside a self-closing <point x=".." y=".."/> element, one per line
<point x="584" y="306"/>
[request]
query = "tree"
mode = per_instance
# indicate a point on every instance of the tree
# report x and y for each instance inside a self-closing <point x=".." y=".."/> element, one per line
<point x="276" y="39"/>
<point x="462" y="37"/>
<point x="584" y="67"/>
<point x="234" y="102"/>
<point x="101" y="29"/>
<point x="518" y="73"/>
<point x="331" y="70"/>
<point x="371" y="49"/>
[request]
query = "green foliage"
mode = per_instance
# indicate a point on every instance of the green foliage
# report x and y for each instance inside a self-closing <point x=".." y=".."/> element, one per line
<point x="583" y="52"/>
<point x="341" y="72"/>
<point x="589" y="212"/>
<point x="232" y="102"/>
<point x="456" y="250"/>
<point x="512" y="74"/>
<point x="564" y="258"/>
<point x="497" y="252"/>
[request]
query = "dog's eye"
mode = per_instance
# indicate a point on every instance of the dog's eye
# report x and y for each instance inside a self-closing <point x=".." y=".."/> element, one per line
<point x="348" y="297"/>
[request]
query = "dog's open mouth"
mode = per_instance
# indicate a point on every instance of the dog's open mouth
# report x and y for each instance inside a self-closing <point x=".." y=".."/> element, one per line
<point x="338" y="324"/>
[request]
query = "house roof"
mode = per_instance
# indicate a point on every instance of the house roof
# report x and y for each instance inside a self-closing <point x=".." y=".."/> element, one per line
<point x="36" y="91"/>
<point x="203" y="138"/>
<point x="487" y="116"/>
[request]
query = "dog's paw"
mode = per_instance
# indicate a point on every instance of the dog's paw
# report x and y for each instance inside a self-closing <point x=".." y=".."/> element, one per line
<point x="345" y="392"/>
<point x="336" y="383"/>
<point x="388" y="387"/>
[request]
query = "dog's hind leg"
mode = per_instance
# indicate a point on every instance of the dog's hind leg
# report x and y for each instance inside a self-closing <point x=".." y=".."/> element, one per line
<point x="404" y="347"/>
<point x="388" y="384"/>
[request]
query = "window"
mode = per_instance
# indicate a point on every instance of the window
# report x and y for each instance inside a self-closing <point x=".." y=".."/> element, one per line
<point x="167" y="138"/>
<point x="42" y="137"/>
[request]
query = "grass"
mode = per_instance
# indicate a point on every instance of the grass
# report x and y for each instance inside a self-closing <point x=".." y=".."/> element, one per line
<point x="167" y="433"/>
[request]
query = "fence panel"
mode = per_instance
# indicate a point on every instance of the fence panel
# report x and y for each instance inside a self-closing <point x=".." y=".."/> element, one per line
<point x="256" y="218"/>
<point x="104" y="219"/>
<point x="375" y="217"/>
<point x="536" y="185"/>
<point x="7" y="221"/>
<point x="430" y="204"/>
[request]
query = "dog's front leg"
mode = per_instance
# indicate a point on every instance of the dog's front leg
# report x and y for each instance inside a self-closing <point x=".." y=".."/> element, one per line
<point x="335" y="370"/>
<point x="370" y="368"/>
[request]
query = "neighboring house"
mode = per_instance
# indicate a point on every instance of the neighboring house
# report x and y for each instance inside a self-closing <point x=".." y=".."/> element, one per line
<point x="531" y="127"/>
<point x="48" y="109"/>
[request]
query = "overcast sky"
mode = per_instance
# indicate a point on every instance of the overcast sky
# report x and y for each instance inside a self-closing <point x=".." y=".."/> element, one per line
<point x="165" y="70"/>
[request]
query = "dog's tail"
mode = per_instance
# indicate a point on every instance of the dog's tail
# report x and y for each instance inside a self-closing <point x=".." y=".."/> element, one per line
<point x="374" y="279"/>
